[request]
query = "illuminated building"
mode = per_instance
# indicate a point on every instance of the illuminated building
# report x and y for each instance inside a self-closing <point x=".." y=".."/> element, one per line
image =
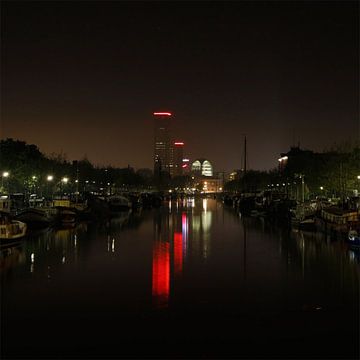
<point x="210" y="185"/>
<point x="202" y="167"/>
<point x="177" y="159"/>
<point x="162" y="145"/>
<point x="235" y="175"/>
<point x="204" y="179"/>
<point x="186" y="168"/>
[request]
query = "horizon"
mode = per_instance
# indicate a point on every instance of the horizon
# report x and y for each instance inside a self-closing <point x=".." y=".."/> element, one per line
<point x="86" y="78"/>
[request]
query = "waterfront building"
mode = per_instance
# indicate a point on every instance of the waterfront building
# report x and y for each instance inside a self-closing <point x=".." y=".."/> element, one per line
<point x="210" y="185"/>
<point x="204" y="178"/>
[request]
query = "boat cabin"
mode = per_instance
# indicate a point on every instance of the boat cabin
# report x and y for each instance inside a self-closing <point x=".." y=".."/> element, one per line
<point x="5" y="204"/>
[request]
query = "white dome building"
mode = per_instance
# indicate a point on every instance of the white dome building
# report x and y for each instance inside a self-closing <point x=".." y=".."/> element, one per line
<point x="202" y="167"/>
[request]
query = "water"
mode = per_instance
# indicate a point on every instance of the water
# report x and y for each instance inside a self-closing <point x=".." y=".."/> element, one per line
<point x="191" y="279"/>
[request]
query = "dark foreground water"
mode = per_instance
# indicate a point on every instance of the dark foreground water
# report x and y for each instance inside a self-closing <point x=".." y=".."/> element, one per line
<point x="189" y="280"/>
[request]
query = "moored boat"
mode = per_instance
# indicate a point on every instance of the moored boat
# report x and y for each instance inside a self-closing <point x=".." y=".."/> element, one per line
<point x="336" y="220"/>
<point x="36" y="218"/>
<point x="66" y="215"/>
<point x="119" y="203"/>
<point x="11" y="229"/>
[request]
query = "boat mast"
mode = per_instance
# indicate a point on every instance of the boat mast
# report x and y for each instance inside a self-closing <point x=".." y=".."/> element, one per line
<point x="245" y="155"/>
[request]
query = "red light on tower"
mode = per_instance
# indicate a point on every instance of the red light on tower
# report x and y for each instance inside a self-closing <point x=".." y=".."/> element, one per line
<point x="162" y="114"/>
<point x="179" y="143"/>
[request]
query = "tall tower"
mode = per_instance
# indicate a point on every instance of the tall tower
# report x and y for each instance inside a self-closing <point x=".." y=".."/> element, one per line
<point x="178" y="155"/>
<point x="162" y="144"/>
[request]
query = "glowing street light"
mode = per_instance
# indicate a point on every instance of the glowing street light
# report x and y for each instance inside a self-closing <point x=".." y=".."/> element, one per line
<point x="5" y="175"/>
<point x="65" y="180"/>
<point x="49" y="179"/>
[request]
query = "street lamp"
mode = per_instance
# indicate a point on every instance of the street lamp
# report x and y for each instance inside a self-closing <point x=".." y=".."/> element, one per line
<point x="33" y="183"/>
<point x="49" y="179"/>
<point x="64" y="181"/>
<point x="5" y="175"/>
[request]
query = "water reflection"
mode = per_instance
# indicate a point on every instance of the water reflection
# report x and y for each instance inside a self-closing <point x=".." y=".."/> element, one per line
<point x="161" y="273"/>
<point x="190" y="264"/>
<point x="11" y="257"/>
<point x="172" y="242"/>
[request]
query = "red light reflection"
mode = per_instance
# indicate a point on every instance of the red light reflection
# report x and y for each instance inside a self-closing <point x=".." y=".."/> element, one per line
<point x="161" y="273"/>
<point x="178" y="253"/>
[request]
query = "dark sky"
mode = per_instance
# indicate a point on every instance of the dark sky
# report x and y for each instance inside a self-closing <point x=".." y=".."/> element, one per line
<point x="85" y="77"/>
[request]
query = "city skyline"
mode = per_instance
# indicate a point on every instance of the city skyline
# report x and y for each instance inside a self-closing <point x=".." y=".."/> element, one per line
<point x="85" y="78"/>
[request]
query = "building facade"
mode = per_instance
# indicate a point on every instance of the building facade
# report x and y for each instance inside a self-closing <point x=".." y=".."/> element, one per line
<point x="176" y="162"/>
<point x="202" y="167"/>
<point x="162" y="142"/>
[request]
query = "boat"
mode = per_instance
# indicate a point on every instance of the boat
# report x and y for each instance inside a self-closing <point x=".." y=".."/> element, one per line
<point x="5" y="204"/>
<point x="353" y="238"/>
<point x="11" y="229"/>
<point x="98" y="208"/>
<point x="307" y="224"/>
<point x="335" y="220"/>
<point x="66" y="214"/>
<point x="302" y="216"/>
<point x="36" y="218"/>
<point x="119" y="203"/>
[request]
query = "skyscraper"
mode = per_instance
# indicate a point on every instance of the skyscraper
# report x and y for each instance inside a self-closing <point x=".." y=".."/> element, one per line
<point x="162" y="143"/>
<point x="177" y="158"/>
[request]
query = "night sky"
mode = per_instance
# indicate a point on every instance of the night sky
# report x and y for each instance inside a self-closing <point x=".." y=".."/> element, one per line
<point x="84" y="78"/>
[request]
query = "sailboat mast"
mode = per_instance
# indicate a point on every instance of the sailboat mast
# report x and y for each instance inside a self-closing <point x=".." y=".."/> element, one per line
<point x="245" y="156"/>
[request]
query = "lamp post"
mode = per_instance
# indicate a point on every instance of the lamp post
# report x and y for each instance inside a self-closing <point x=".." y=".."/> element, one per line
<point x="5" y="175"/>
<point x="34" y="181"/>
<point x="64" y="181"/>
<point x="49" y="179"/>
<point x="302" y="188"/>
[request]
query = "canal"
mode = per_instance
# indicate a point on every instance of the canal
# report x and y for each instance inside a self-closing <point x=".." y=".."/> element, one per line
<point x="191" y="279"/>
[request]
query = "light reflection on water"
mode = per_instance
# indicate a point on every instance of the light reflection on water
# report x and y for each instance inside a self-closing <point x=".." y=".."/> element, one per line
<point x="191" y="256"/>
